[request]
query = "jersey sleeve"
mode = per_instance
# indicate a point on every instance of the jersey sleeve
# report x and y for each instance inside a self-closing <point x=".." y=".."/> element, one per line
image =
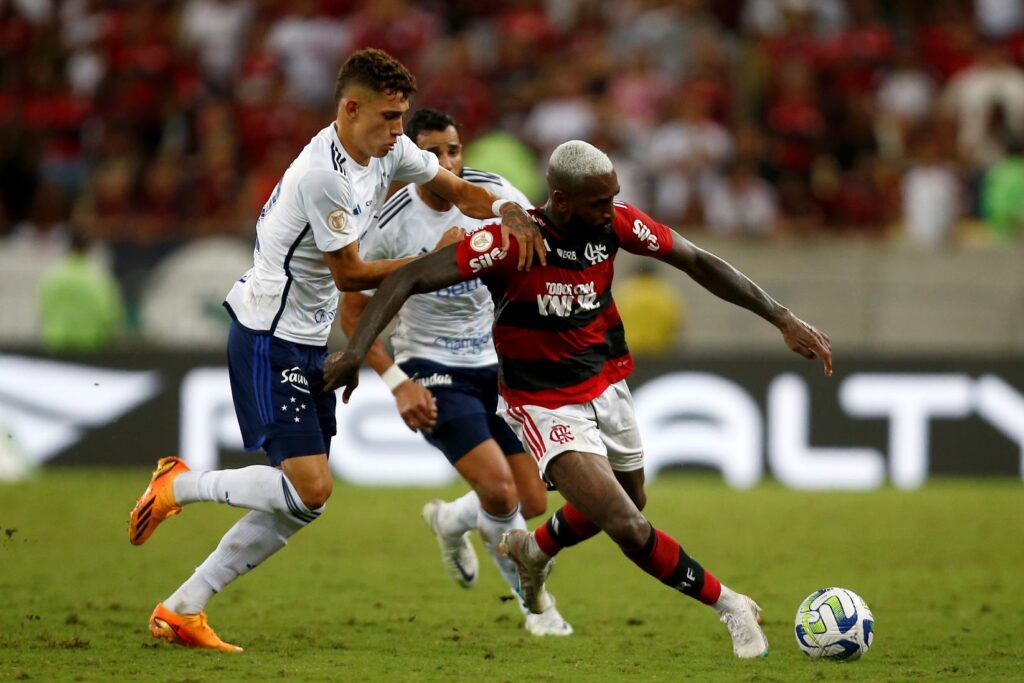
<point x="412" y="163"/>
<point x="479" y="254"/>
<point x="640" y="234"/>
<point x="325" y="197"/>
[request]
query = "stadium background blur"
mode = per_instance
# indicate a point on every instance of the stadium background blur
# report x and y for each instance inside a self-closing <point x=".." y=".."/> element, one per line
<point x="860" y="159"/>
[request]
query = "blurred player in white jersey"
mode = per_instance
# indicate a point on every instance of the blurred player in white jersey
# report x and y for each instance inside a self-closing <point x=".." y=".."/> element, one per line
<point x="443" y="343"/>
<point x="282" y="310"/>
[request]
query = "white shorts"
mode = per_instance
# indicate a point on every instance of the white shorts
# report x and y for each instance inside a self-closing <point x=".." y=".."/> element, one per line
<point x="605" y="426"/>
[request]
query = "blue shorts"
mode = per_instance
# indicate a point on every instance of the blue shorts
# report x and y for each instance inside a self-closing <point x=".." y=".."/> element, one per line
<point x="277" y="389"/>
<point x="467" y="403"/>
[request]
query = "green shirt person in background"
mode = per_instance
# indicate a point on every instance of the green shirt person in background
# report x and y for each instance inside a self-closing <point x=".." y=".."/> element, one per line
<point x="1002" y="195"/>
<point x="80" y="305"/>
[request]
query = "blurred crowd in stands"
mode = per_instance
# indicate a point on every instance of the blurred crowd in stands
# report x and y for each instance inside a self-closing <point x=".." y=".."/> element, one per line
<point x="154" y="121"/>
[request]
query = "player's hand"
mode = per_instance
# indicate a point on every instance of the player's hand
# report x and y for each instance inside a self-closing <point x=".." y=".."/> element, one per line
<point x="416" y="406"/>
<point x="341" y="369"/>
<point x="452" y="235"/>
<point x="807" y="340"/>
<point x="517" y="223"/>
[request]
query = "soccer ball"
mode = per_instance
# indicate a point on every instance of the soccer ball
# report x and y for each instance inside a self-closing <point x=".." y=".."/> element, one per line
<point x="834" y="623"/>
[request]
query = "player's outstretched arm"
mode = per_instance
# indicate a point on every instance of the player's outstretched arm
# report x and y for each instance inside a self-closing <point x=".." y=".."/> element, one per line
<point x="724" y="281"/>
<point x="352" y="274"/>
<point x="478" y="202"/>
<point x="415" y="403"/>
<point x="434" y="271"/>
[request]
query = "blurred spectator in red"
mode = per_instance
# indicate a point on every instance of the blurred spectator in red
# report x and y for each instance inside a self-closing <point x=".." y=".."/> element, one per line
<point x="741" y="204"/>
<point x="855" y="54"/>
<point x="395" y="26"/>
<point x="162" y="198"/>
<point x="858" y="206"/>
<point x="796" y="122"/>
<point x="947" y="39"/>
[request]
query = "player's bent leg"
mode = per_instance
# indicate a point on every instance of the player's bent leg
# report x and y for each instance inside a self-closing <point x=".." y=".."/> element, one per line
<point x="492" y="501"/>
<point x="632" y="483"/>
<point x="588" y="483"/>
<point x="157" y="502"/>
<point x="311" y="476"/>
<point x="533" y="494"/>
<point x="189" y="630"/>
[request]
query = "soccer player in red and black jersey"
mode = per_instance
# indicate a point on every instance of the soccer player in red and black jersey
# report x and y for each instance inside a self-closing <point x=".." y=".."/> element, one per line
<point x="563" y="362"/>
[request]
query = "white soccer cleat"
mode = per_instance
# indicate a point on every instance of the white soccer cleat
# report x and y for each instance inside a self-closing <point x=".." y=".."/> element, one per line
<point x="742" y="616"/>
<point x="547" y="623"/>
<point x="532" y="568"/>
<point x="459" y="558"/>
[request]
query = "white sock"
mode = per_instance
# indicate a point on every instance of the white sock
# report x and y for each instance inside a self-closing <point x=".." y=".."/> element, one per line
<point x="491" y="528"/>
<point x="254" y="538"/>
<point x="727" y="600"/>
<point x="459" y="516"/>
<point x="257" y="487"/>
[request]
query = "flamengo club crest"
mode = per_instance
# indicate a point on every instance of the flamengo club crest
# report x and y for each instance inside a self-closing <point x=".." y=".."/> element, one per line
<point x="560" y="434"/>
<point x="596" y="253"/>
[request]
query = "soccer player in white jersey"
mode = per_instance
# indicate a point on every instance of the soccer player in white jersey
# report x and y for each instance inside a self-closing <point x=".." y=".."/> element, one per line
<point x="443" y="342"/>
<point x="282" y="310"/>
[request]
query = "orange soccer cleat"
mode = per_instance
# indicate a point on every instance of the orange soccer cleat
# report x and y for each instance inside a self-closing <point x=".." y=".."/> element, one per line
<point x="190" y="630"/>
<point x="157" y="502"/>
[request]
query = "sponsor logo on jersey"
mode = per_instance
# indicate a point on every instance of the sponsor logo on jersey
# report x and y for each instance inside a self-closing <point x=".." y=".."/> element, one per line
<point x="567" y="255"/>
<point x="294" y="377"/>
<point x="481" y="241"/>
<point x="435" y="380"/>
<point x="596" y="253"/>
<point x="324" y="315"/>
<point x="560" y="433"/>
<point x="644" y="234"/>
<point x="337" y="220"/>
<point x="459" y="289"/>
<point x="486" y="260"/>
<point x="564" y="298"/>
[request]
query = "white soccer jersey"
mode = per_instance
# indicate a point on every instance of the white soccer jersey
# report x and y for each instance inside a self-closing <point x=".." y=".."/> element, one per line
<point x="452" y="325"/>
<point x="323" y="202"/>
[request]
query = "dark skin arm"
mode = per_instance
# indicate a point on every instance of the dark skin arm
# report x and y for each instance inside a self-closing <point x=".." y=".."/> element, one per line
<point x="429" y="273"/>
<point x="415" y="404"/>
<point x="724" y="281"/>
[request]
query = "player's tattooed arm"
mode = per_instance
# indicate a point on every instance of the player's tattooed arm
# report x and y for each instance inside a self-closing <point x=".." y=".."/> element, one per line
<point x="478" y="202"/>
<point x="726" y="282"/>
<point x="431" y="272"/>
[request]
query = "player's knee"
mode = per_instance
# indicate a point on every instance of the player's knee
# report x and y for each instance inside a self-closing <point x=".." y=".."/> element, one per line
<point x="630" y="531"/>
<point x="498" y="496"/>
<point x="314" y="494"/>
<point x="533" y="501"/>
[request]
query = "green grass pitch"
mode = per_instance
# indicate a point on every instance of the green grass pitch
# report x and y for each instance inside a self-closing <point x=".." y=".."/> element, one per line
<point x="361" y="596"/>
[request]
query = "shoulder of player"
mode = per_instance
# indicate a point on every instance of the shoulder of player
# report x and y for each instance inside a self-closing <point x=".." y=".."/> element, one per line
<point x="399" y="202"/>
<point x="478" y="177"/>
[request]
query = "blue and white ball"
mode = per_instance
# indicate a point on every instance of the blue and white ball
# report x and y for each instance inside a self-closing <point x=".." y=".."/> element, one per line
<point x="834" y="623"/>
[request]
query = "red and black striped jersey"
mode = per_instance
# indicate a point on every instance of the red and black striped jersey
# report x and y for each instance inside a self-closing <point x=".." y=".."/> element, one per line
<point x="557" y="332"/>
